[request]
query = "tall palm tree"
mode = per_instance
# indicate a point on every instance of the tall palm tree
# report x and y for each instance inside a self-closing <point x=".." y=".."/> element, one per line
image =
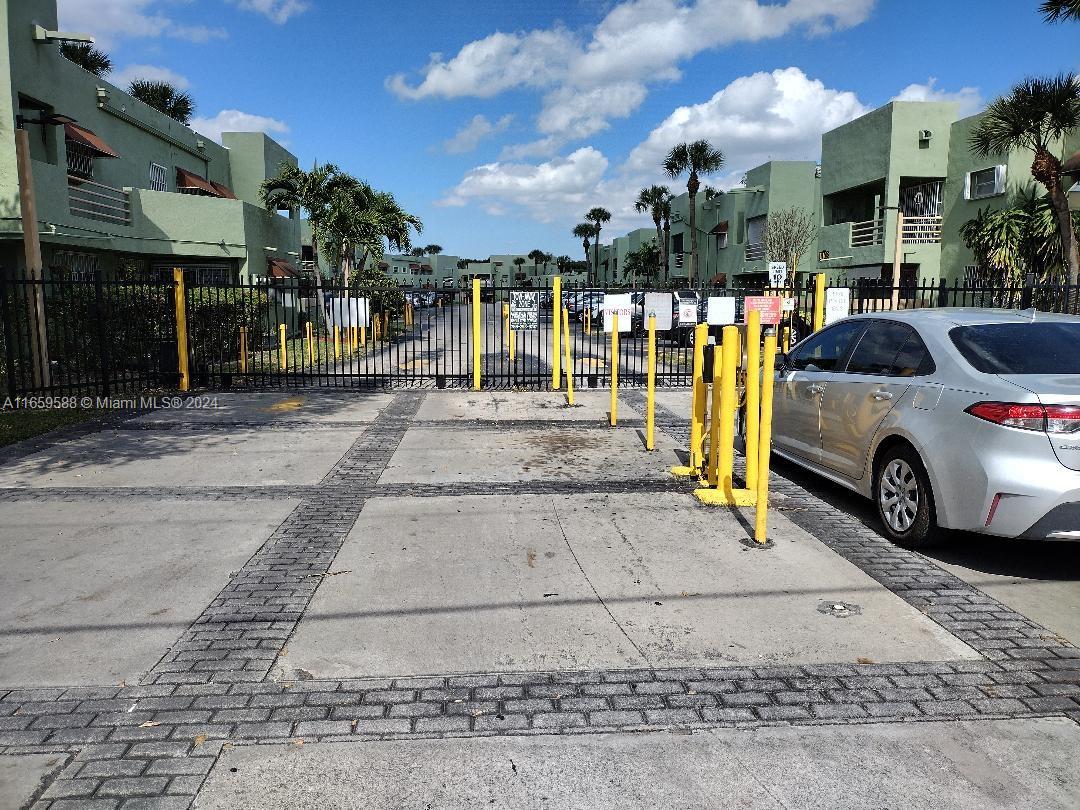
<point x="87" y="57"/>
<point x="310" y="191"/>
<point x="665" y="249"/>
<point x="697" y="158"/>
<point x="1059" y="10"/>
<point x="537" y="257"/>
<point x="597" y="216"/>
<point x="164" y="97"/>
<point x="433" y="250"/>
<point x="548" y="258"/>
<point x="1037" y="114"/>
<point x="652" y="199"/>
<point x="585" y="231"/>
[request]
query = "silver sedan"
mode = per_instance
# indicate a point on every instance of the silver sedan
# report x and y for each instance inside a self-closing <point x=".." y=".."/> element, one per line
<point x="956" y="418"/>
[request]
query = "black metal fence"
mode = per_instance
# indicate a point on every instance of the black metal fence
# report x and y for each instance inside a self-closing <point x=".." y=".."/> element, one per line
<point x="66" y="337"/>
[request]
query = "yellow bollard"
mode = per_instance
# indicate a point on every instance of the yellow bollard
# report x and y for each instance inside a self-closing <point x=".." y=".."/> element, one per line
<point x="614" y="368"/>
<point x="513" y="345"/>
<point x="180" y="299"/>
<point x="787" y="339"/>
<point x="310" y="344"/>
<point x="569" y="364"/>
<point x="753" y="390"/>
<point x="283" y="357"/>
<point x="698" y="405"/>
<point x="720" y="374"/>
<point x="556" y="306"/>
<point x="819" y="302"/>
<point x="363" y="336"/>
<point x="650" y="396"/>
<point x="243" y="350"/>
<point x="476" y="334"/>
<point x="337" y="342"/>
<point x="588" y="320"/>
<point x="728" y="401"/>
<point x="761" y="515"/>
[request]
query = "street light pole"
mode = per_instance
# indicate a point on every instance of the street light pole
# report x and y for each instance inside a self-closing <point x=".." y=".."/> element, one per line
<point x="39" y="347"/>
<point x="898" y="258"/>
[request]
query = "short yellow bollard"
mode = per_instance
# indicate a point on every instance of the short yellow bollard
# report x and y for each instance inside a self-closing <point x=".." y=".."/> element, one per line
<point x="728" y="401"/>
<point x="283" y="357"/>
<point x="337" y="342"/>
<point x="180" y="300"/>
<point x="588" y="320"/>
<point x="243" y="350"/>
<point x="761" y="516"/>
<point x="720" y="374"/>
<point x="476" y="334"/>
<point x="310" y="344"/>
<point x="699" y="395"/>
<point x="614" y="368"/>
<point x="753" y="389"/>
<point x="363" y="335"/>
<point x="819" y="302"/>
<point x="787" y="339"/>
<point x="556" y="306"/>
<point x="568" y="361"/>
<point x="650" y="396"/>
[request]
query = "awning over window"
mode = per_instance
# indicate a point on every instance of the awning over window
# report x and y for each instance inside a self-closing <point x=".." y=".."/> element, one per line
<point x="279" y="268"/>
<point x="191" y="181"/>
<point x="88" y="139"/>
<point x="721" y="227"/>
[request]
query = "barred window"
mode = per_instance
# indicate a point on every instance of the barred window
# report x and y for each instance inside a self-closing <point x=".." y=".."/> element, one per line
<point x="159" y="177"/>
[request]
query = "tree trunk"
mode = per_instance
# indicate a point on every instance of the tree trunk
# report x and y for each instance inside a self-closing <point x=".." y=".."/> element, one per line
<point x="1069" y="248"/>
<point x="596" y="250"/>
<point x="585" y="244"/>
<point x="667" y="249"/>
<point x="692" y="188"/>
<point x="659" y="243"/>
<point x="320" y="298"/>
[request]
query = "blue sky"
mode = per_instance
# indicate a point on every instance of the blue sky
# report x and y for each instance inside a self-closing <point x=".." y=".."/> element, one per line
<point x="500" y="123"/>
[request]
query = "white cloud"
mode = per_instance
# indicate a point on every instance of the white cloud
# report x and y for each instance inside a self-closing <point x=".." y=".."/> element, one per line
<point x="542" y="147"/>
<point x="969" y="98"/>
<point x="637" y="42"/>
<point x="547" y="190"/>
<point x="122" y="78"/>
<point x="277" y="11"/>
<point x="238" y="121"/>
<point x="112" y="20"/>
<point x="469" y="136"/>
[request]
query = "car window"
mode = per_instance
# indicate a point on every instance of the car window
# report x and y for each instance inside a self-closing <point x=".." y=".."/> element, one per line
<point x="1020" y="348"/>
<point x="913" y="358"/>
<point x="878" y="348"/>
<point x="824" y="351"/>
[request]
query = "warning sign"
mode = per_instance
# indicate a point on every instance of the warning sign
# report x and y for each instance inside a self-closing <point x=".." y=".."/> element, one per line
<point x="768" y="305"/>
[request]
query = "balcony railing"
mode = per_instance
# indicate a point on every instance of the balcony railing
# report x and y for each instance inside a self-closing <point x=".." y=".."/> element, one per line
<point x="98" y="201"/>
<point x="865" y="234"/>
<point x="922" y="230"/>
<point x="755" y="252"/>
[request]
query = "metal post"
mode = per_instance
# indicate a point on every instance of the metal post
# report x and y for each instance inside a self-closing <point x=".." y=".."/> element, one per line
<point x="102" y="324"/>
<point x="180" y="300"/>
<point x="716" y="410"/>
<point x="898" y="259"/>
<point x="310" y="345"/>
<point x="9" y="337"/>
<point x="761" y="515"/>
<point x="556" y="306"/>
<point x="337" y="342"/>
<point x="700" y="403"/>
<point x="728" y="401"/>
<point x="819" y="302"/>
<point x="283" y="358"/>
<point x="650" y="397"/>
<point x="243" y="350"/>
<point x="614" y="368"/>
<point x="568" y="361"/>
<point x="753" y="388"/>
<point x="39" y="339"/>
<point x="476" y="334"/>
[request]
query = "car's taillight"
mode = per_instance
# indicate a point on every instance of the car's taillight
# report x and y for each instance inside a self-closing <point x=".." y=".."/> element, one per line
<point x="1049" y="418"/>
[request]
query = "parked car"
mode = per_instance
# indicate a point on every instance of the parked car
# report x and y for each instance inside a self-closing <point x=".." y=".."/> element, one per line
<point x="947" y="418"/>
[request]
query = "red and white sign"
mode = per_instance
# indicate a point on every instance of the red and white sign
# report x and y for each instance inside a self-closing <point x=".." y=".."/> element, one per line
<point x="768" y="305"/>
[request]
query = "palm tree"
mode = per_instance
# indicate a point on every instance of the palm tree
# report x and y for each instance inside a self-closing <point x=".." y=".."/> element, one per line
<point x="537" y="257"/>
<point x="665" y="249"/>
<point x="519" y="262"/>
<point x="697" y="158"/>
<point x="417" y="252"/>
<point x="548" y="258"/>
<point x="597" y="216"/>
<point x="163" y="97"/>
<point x="562" y="263"/>
<point x="87" y="57"/>
<point x="585" y="231"/>
<point x="1036" y="114"/>
<point x="433" y="250"/>
<point x="653" y="199"/>
<point x="295" y="189"/>
<point x="1060" y="10"/>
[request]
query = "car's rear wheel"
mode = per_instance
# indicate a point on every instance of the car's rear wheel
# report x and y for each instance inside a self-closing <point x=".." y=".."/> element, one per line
<point x="904" y="499"/>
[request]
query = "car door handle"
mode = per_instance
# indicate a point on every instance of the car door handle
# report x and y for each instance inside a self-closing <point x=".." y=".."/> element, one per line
<point x="881" y="396"/>
<point x="816" y="389"/>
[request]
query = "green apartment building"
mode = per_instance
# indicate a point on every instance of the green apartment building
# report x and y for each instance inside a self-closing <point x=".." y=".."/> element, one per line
<point x="122" y="189"/>
<point x="909" y="157"/>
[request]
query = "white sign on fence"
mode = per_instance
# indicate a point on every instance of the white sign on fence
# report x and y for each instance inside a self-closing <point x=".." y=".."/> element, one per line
<point x="618" y="303"/>
<point x="777" y="274"/>
<point x="659" y="305"/>
<point x="688" y="312"/>
<point x="524" y="310"/>
<point x="347" y="312"/>
<point x="720" y="310"/>
<point x="837" y="304"/>
<point x="788" y="305"/>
